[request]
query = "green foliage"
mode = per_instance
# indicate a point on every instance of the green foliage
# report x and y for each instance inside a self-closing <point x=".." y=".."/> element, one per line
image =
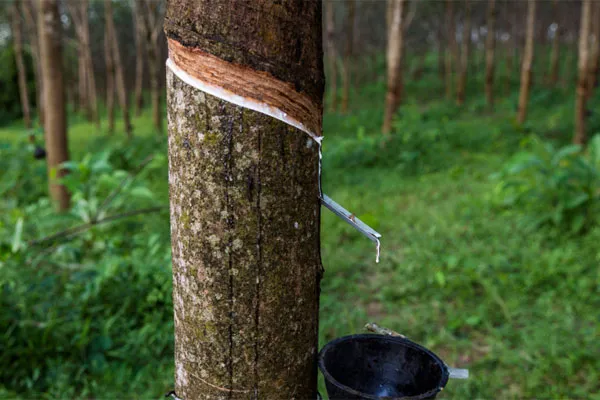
<point x="558" y="187"/>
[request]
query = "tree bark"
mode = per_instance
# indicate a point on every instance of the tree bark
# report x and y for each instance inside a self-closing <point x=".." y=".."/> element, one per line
<point x="55" y="132"/>
<point x="554" y="52"/>
<point x="119" y="74"/>
<point x="348" y="54"/>
<point x="527" y="62"/>
<point x="139" y="56"/>
<point x="395" y="48"/>
<point x="331" y="55"/>
<point x="30" y="15"/>
<point x="21" y="72"/>
<point x="490" y="44"/>
<point x="451" y="42"/>
<point x="580" y="136"/>
<point x="245" y="208"/>
<point x="464" y="56"/>
<point x="110" y="70"/>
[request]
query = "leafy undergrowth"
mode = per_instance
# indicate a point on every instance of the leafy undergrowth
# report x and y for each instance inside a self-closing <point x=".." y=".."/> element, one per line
<point x="90" y="315"/>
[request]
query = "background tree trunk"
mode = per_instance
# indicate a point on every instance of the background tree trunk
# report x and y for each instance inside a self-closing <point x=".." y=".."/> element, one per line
<point x="594" y="45"/>
<point x="451" y="43"/>
<point x="580" y="136"/>
<point x="18" y="46"/>
<point x="110" y="69"/>
<point x="490" y="44"/>
<point x="139" y="56"/>
<point x="55" y="132"/>
<point x="348" y="54"/>
<point x="395" y="48"/>
<point x="30" y="14"/>
<point x="152" y="16"/>
<point x="527" y="62"/>
<point x="331" y="54"/>
<point x="553" y="73"/>
<point x="464" y="56"/>
<point x="119" y="74"/>
<point x="245" y="209"/>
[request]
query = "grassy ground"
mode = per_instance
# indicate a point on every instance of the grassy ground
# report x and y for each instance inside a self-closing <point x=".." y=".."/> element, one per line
<point x="458" y="274"/>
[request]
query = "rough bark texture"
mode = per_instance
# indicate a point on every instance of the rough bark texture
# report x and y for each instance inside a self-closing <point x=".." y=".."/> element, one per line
<point x="30" y="15"/>
<point x="580" y="136"/>
<point x="395" y="48"/>
<point x="348" y="55"/>
<point x="527" y="62"/>
<point x="152" y="16"/>
<point x="119" y="73"/>
<point x="110" y="69"/>
<point x="55" y="132"/>
<point x="331" y="54"/>
<point x="554" y="52"/>
<point x="18" y="47"/>
<point x="451" y="42"/>
<point x="245" y="209"/>
<point x="464" y="55"/>
<point x="490" y="44"/>
<point x="140" y="38"/>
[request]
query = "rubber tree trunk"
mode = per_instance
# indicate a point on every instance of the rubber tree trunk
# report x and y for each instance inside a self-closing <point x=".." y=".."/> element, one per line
<point x="110" y="70"/>
<point x="490" y="44"/>
<point x="331" y="54"/>
<point x="139" y="57"/>
<point x="55" y="132"/>
<point x="527" y="62"/>
<point x="464" y="55"/>
<point x="348" y="54"/>
<point x="30" y="14"/>
<point x="21" y="73"/>
<point x="594" y="45"/>
<point x="451" y="42"/>
<point x="580" y="136"/>
<point x="395" y="48"/>
<point x="245" y="211"/>
<point x="554" y="52"/>
<point x="119" y="74"/>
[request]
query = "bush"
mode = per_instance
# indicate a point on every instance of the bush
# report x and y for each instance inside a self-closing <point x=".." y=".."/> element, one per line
<point x="555" y="187"/>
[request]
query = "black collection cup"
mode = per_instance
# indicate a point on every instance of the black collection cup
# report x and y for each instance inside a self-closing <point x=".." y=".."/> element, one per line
<point x="371" y="366"/>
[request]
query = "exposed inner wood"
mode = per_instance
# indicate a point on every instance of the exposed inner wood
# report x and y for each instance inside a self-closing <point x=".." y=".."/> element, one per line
<point x="258" y="88"/>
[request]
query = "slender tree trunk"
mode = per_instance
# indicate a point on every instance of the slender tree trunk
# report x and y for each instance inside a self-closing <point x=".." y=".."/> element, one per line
<point x="580" y="136"/>
<point x="527" y="62"/>
<point x="139" y="57"/>
<point x="348" y="55"/>
<point x="110" y="70"/>
<point x="55" y="131"/>
<point x="395" y="48"/>
<point x="594" y="57"/>
<point x="441" y="53"/>
<point x="554" y="53"/>
<point x="464" y="56"/>
<point x="30" y="14"/>
<point x="21" y="72"/>
<point x="245" y="208"/>
<point x="490" y="44"/>
<point x="331" y="54"/>
<point x="89" y="65"/>
<point x="83" y="82"/>
<point x="119" y="75"/>
<point x="151" y="19"/>
<point x="451" y="42"/>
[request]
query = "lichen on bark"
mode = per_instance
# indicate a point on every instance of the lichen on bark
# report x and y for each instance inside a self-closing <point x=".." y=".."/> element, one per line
<point x="246" y="261"/>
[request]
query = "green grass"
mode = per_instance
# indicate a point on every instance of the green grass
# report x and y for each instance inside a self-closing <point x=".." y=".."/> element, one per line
<point x="458" y="274"/>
